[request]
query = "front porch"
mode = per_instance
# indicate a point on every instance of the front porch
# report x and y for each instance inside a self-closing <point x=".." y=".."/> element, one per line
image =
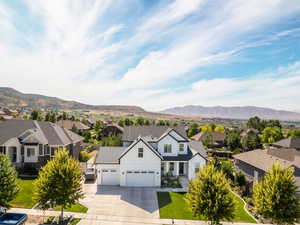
<point x="174" y="168"/>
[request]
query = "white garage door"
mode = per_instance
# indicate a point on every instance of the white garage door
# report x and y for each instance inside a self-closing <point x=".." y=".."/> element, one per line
<point x="140" y="178"/>
<point x="109" y="177"/>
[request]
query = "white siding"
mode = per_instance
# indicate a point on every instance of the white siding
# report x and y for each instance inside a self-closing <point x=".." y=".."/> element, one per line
<point x="100" y="167"/>
<point x="176" y="135"/>
<point x="131" y="162"/>
<point x="192" y="165"/>
<point x="175" y="146"/>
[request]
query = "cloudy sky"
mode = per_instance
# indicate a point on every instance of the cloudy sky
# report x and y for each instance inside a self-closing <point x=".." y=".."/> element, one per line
<point x="153" y="53"/>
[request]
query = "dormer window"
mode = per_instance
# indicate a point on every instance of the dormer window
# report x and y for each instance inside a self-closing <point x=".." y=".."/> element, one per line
<point x="181" y="147"/>
<point x="140" y="152"/>
<point x="167" y="148"/>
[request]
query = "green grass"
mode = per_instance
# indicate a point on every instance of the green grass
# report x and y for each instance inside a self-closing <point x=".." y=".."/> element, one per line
<point x="74" y="208"/>
<point x="75" y="221"/>
<point x="24" y="198"/>
<point x="173" y="206"/>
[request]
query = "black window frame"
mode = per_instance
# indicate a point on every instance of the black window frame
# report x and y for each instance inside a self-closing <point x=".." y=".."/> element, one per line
<point x="140" y="153"/>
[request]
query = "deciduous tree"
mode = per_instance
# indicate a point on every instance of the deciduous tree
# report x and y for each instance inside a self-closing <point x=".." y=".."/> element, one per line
<point x="275" y="196"/>
<point x="209" y="195"/>
<point x="59" y="182"/>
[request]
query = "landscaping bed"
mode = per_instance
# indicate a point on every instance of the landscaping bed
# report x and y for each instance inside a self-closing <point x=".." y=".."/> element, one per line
<point x="172" y="205"/>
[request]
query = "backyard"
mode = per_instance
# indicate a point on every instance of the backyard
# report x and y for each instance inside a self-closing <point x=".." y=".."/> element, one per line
<point x="173" y="206"/>
<point x="25" y="198"/>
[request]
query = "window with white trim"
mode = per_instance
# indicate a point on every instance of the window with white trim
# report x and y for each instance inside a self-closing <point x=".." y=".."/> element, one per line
<point x="140" y="152"/>
<point x="197" y="167"/>
<point x="30" y="152"/>
<point x="181" y="147"/>
<point x="168" y="148"/>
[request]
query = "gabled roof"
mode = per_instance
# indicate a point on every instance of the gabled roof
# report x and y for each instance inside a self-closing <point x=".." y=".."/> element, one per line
<point x="145" y="142"/>
<point x="288" y="143"/>
<point x="151" y="133"/>
<point x="198" y="147"/>
<point x="44" y="132"/>
<point x="168" y="131"/>
<point x="109" y="155"/>
<point x="216" y="135"/>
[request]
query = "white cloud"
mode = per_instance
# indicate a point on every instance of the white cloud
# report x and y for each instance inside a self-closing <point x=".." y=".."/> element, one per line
<point x="77" y="56"/>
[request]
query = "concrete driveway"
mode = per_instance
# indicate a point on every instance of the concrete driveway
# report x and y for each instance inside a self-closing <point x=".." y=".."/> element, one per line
<point x="121" y="201"/>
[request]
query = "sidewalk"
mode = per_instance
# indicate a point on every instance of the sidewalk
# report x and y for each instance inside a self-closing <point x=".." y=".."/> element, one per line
<point x="90" y="219"/>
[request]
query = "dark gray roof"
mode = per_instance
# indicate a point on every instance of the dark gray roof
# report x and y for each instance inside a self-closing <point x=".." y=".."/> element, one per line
<point x="109" y="155"/>
<point x="198" y="147"/>
<point x="44" y="132"/>
<point x="183" y="157"/>
<point x="288" y="143"/>
<point x="131" y="133"/>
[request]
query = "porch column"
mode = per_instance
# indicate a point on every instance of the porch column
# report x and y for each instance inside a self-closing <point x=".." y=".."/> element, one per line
<point x="166" y="167"/>
<point x="176" y="168"/>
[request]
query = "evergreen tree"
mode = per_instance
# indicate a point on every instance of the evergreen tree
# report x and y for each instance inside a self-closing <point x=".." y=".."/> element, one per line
<point x="193" y="130"/>
<point x="275" y="197"/>
<point x="209" y="195"/>
<point x="208" y="140"/>
<point x="255" y="123"/>
<point x="59" y="182"/>
<point x="8" y="181"/>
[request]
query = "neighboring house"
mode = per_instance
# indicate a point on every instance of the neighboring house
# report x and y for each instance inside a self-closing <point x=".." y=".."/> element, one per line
<point x="112" y="130"/>
<point x="254" y="164"/>
<point x="69" y="124"/>
<point x="29" y="142"/>
<point x="218" y="138"/>
<point x="4" y="116"/>
<point x="288" y="143"/>
<point x="147" y="154"/>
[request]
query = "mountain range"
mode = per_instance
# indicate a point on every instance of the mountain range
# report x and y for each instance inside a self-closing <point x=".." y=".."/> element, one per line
<point x="237" y="112"/>
<point x="10" y="97"/>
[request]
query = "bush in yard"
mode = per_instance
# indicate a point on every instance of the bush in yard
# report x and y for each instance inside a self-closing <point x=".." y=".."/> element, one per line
<point x="275" y="197"/>
<point x="209" y="195"/>
<point x="59" y="182"/>
<point x="8" y="181"/>
<point x="84" y="156"/>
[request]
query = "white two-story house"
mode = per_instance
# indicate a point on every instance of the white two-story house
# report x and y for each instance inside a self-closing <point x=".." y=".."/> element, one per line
<point x="147" y="154"/>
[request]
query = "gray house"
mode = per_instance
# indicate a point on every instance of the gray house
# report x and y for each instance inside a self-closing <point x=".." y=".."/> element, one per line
<point x="254" y="164"/>
<point x="32" y="143"/>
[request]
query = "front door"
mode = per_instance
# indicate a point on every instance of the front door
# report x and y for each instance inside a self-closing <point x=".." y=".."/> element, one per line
<point x="181" y="168"/>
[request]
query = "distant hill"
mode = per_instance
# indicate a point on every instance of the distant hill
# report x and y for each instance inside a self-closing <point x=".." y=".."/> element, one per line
<point x="238" y="112"/>
<point x="12" y="98"/>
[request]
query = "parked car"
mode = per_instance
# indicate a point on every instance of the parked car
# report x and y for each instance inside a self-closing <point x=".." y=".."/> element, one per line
<point x="13" y="219"/>
<point x="90" y="174"/>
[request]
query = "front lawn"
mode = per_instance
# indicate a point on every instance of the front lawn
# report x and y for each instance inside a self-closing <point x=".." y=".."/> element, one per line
<point x="172" y="205"/>
<point x="25" y="199"/>
<point x="74" y="208"/>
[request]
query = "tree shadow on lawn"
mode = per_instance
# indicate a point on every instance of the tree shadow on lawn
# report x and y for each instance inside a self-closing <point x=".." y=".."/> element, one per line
<point x="163" y="199"/>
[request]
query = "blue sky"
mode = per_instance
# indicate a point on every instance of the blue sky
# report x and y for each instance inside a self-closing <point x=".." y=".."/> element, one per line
<point x="155" y="54"/>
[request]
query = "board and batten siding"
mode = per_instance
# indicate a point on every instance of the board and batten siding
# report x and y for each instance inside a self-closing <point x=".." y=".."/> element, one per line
<point x="196" y="162"/>
<point x="131" y="162"/>
<point x="175" y="146"/>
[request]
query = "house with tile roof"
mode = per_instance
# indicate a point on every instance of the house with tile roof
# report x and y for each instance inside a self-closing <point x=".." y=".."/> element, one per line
<point x="32" y="143"/>
<point x="149" y="153"/>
